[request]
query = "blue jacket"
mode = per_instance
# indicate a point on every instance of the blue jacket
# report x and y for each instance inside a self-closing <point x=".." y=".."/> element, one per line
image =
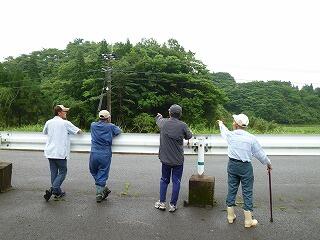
<point x="102" y="134"/>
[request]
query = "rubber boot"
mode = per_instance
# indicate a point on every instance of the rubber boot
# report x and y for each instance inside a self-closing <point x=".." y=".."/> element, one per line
<point x="231" y="216"/>
<point x="99" y="193"/>
<point x="106" y="191"/>
<point x="248" y="221"/>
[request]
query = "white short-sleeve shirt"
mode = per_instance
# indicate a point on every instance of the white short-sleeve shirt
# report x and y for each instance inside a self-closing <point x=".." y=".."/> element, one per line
<point x="58" y="140"/>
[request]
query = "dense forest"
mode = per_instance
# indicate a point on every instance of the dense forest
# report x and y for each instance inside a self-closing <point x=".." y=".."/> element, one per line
<point x="146" y="78"/>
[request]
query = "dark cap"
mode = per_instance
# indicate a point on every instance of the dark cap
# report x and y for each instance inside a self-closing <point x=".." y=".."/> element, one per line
<point x="175" y="110"/>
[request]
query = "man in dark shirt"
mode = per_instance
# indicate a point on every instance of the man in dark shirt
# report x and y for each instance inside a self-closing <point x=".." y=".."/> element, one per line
<point x="172" y="133"/>
<point x="102" y="133"/>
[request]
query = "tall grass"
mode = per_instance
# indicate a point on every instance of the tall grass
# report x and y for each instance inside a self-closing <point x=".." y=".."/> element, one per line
<point x="26" y="128"/>
<point x="297" y="129"/>
<point x="201" y="129"/>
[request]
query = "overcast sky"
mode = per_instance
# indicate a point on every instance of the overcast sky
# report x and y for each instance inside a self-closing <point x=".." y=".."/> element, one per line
<point x="252" y="40"/>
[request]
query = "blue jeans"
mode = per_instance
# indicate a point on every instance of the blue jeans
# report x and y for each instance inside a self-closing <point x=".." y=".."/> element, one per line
<point x="239" y="171"/>
<point x="99" y="166"/>
<point x="58" y="169"/>
<point x="165" y="180"/>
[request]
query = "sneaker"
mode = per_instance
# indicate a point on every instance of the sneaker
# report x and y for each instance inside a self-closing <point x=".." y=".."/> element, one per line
<point x="59" y="196"/>
<point x="105" y="193"/>
<point x="160" y="205"/>
<point x="99" y="198"/>
<point x="172" y="207"/>
<point x="48" y="194"/>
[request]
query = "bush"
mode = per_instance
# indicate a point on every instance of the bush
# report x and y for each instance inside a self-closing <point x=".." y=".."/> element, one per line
<point x="144" y="123"/>
<point x="261" y="125"/>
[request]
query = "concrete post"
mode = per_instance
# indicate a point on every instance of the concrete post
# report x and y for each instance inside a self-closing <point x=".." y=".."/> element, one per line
<point x="5" y="176"/>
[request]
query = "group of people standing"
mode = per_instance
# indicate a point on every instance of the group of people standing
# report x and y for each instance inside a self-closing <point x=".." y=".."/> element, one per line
<point x="242" y="147"/>
<point x="57" y="150"/>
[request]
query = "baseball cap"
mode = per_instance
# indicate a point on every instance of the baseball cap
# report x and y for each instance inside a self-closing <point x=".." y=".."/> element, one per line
<point x="175" y="108"/>
<point x="104" y="114"/>
<point x="63" y="108"/>
<point x="242" y="120"/>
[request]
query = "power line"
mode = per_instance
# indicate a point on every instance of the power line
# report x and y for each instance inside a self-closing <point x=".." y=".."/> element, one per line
<point x="45" y="77"/>
<point x="63" y="82"/>
<point x="101" y="79"/>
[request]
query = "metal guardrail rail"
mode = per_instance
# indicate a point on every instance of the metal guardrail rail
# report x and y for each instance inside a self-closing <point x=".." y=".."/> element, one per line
<point x="149" y="143"/>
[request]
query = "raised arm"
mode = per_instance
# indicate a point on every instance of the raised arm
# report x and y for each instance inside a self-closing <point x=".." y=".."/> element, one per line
<point x="224" y="131"/>
<point x="159" y="120"/>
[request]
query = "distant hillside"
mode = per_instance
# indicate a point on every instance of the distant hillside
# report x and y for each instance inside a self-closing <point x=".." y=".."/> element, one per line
<point x="273" y="100"/>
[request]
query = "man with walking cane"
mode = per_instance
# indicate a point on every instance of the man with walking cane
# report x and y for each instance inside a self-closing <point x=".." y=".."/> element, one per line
<point x="242" y="146"/>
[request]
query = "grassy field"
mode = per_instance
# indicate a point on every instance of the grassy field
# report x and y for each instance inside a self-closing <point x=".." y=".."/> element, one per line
<point x="280" y="129"/>
<point x="297" y="129"/>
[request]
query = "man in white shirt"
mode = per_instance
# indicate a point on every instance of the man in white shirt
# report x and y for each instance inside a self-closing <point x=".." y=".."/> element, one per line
<point x="242" y="146"/>
<point x="57" y="149"/>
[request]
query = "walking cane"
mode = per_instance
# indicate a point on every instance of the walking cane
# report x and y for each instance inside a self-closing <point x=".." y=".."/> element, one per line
<point x="270" y="194"/>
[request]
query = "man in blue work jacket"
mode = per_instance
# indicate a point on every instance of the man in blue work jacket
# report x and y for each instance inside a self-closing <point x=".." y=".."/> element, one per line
<point x="102" y="133"/>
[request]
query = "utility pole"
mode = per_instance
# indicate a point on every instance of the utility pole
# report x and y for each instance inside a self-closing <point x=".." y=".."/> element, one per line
<point x="107" y="90"/>
<point x="108" y="73"/>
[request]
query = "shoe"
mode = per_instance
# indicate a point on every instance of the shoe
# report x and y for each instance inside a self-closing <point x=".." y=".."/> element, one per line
<point x="172" y="207"/>
<point x="48" y="194"/>
<point x="160" y="205"/>
<point x="58" y="197"/>
<point x="231" y="216"/>
<point x="248" y="221"/>
<point x="105" y="193"/>
<point x="99" y="198"/>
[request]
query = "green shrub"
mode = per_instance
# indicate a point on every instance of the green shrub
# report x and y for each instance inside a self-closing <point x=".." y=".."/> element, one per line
<point x="262" y="126"/>
<point x="144" y="123"/>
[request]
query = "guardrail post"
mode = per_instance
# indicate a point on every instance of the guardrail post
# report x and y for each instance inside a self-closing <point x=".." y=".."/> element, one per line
<point x="201" y="187"/>
<point x="200" y="156"/>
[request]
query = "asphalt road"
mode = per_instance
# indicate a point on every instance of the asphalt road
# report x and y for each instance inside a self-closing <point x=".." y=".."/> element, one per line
<point x="129" y="213"/>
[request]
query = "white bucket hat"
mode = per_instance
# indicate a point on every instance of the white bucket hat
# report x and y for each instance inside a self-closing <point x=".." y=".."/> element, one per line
<point x="242" y="120"/>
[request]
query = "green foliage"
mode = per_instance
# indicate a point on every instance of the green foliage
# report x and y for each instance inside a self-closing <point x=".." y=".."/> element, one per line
<point x="25" y="128"/>
<point x="272" y="101"/>
<point x="147" y="78"/>
<point x="296" y="129"/>
<point x="202" y="129"/>
<point x="144" y="123"/>
<point x="262" y="126"/>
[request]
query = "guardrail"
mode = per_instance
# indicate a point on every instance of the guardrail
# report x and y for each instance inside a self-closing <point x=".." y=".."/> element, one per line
<point x="149" y="143"/>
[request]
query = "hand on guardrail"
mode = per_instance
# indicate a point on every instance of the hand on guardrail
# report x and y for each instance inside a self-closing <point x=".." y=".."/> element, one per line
<point x="219" y="122"/>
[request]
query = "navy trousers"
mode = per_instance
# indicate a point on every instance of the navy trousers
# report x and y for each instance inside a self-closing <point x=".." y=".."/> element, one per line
<point x="166" y="172"/>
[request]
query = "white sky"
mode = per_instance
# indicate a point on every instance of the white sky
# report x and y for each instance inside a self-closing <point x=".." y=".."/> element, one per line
<point x="252" y="40"/>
